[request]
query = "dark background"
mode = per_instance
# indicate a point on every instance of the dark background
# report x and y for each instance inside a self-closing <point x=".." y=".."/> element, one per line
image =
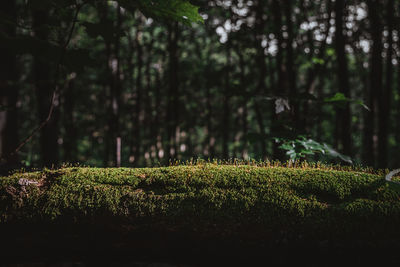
<point x="171" y="91"/>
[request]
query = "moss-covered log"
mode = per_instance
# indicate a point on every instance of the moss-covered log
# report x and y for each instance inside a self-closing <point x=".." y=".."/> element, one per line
<point x="202" y="211"/>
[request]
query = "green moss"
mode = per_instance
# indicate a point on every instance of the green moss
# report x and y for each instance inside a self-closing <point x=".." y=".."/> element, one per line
<point x="309" y="199"/>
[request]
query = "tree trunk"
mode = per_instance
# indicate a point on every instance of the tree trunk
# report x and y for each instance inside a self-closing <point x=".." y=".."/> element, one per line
<point x="290" y="64"/>
<point x="281" y="84"/>
<point x="138" y="92"/>
<point x="375" y="89"/>
<point x="210" y="140"/>
<point x="173" y="91"/>
<point x="113" y="136"/>
<point x="386" y="95"/>
<point x="243" y="104"/>
<point x="71" y="131"/>
<point x="8" y="93"/>
<point x="148" y="118"/>
<point x="44" y="86"/>
<point x="117" y="90"/>
<point x="262" y="72"/>
<point x="225" y="124"/>
<point x="343" y="116"/>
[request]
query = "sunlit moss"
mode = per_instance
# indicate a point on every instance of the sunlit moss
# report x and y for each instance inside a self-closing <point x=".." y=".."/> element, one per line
<point x="270" y="195"/>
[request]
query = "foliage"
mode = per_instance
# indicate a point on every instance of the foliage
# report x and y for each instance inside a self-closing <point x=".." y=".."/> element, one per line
<point x="302" y="147"/>
<point x="340" y="98"/>
<point x="178" y="10"/>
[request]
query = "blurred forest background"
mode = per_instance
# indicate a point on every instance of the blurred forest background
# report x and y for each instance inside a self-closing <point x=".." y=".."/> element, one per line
<point x="260" y="79"/>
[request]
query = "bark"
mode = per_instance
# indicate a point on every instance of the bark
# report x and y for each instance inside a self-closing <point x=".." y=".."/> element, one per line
<point x="262" y="68"/>
<point x="149" y="105"/>
<point x="244" y="101"/>
<point x="116" y="92"/>
<point x="281" y="83"/>
<point x="113" y="92"/>
<point x="225" y="124"/>
<point x="375" y="88"/>
<point x="108" y="85"/>
<point x="397" y="116"/>
<point x="210" y="141"/>
<point x="8" y="93"/>
<point x="71" y="131"/>
<point x="138" y="92"/>
<point x="173" y="91"/>
<point x="386" y="95"/>
<point x="291" y="74"/>
<point x="343" y="115"/>
<point x="44" y="87"/>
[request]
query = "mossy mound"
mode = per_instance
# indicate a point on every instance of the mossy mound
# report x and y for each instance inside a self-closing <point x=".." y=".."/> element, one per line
<point x="238" y="205"/>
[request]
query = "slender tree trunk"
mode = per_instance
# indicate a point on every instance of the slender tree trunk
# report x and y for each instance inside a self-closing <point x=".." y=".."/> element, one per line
<point x="262" y="72"/>
<point x="343" y="115"/>
<point x="397" y="116"/>
<point x="375" y="89"/>
<point x="290" y="65"/>
<point x="244" y="100"/>
<point x="139" y="94"/>
<point x="109" y="154"/>
<point x="281" y="84"/>
<point x="131" y="85"/>
<point x="225" y="124"/>
<point x="113" y="135"/>
<point x="385" y="97"/>
<point x="44" y="87"/>
<point x="116" y="96"/>
<point x="157" y="118"/>
<point x="173" y="91"/>
<point x="210" y="141"/>
<point x="71" y="131"/>
<point x="149" y="105"/>
<point x="8" y="92"/>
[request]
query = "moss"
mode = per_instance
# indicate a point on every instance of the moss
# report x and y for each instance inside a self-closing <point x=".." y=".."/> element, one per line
<point x="313" y="200"/>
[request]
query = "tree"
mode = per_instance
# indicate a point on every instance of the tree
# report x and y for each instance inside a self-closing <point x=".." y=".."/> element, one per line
<point x="343" y="115"/>
<point x="386" y="95"/>
<point x="8" y="88"/>
<point x="44" y="87"/>
<point x="375" y="88"/>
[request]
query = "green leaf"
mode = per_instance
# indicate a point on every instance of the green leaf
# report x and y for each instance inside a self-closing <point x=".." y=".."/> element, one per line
<point x="337" y="97"/>
<point x="302" y="147"/>
<point x="359" y="102"/>
<point x="333" y="153"/>
<point x="330" y="52"/>
<point x="341" y="98"/>
<point x="316" y="61"/>
<point x="178" y="10"/>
